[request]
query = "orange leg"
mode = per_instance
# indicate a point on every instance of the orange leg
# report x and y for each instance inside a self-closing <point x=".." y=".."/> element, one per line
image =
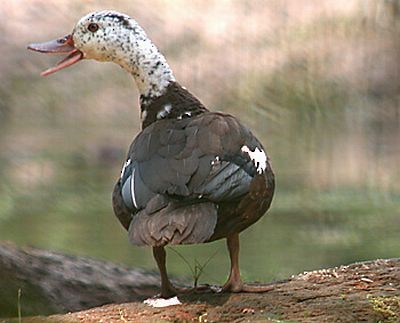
<point x="234" y="283"/>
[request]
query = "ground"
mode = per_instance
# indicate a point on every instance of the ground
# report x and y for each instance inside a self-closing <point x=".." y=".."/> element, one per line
<point x="361" y="292"/>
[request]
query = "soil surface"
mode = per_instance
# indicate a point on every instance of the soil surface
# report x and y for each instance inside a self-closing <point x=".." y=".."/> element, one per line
<point x="361" y="292"/>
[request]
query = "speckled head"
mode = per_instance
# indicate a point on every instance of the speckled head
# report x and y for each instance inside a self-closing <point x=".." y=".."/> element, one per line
<point x="107" y="35"/>
<point x="113" y="36"/>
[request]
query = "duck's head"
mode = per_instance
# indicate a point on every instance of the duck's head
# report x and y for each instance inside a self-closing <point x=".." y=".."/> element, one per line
<point x="103" y="36"/>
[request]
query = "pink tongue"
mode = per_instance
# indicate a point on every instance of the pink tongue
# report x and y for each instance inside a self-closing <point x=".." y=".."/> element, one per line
<point x="71" y="59"/>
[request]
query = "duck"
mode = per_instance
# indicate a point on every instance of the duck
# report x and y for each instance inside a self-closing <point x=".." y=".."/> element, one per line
<point x="191" y="175"/>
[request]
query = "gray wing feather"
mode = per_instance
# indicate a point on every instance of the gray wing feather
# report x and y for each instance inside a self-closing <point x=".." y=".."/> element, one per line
<point x="227" y="181"/>
<point x="188" y="159"/>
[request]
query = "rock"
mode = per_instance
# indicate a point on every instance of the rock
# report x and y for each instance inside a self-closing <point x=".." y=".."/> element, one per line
<point x="51" y="282"/>
<point x="361" y="292"/>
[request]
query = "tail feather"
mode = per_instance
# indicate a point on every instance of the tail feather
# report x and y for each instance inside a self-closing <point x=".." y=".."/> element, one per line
<point x="174" y="224"/>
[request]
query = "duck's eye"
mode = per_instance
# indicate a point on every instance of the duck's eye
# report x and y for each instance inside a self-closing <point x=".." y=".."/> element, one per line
<point x="92" y="27"/>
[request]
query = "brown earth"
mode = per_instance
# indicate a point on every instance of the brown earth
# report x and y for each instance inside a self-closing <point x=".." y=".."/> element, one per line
<point x="360" y="292"/>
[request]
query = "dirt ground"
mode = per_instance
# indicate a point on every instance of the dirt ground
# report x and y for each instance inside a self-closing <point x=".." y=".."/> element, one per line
<point x="361" y="292"/>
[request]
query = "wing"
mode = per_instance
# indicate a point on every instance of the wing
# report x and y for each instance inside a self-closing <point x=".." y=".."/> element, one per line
<point x="211" y="157"/>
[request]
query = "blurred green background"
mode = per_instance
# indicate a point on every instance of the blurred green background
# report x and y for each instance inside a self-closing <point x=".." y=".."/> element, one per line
<point x="317" y="81"/>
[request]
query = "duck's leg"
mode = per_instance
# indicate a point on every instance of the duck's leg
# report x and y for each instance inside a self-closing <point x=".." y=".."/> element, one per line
<point x="235" y="283"/>
<point x="167" y="289"/>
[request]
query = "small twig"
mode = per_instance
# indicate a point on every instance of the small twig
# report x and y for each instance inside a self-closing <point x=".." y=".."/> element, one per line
<point x="198" y="268"/>
<point x="184" y="259"/>
<point x="19" y="305"/>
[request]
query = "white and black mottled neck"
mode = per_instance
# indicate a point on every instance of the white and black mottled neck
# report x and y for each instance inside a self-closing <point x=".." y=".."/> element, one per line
<point x="140" y="57"/>
<point x="148" y="66"/>
<point x="121" y="40"/>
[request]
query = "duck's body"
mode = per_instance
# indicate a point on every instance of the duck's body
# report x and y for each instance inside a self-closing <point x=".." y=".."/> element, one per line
<point x="189" y="160"/>
<point x="191" y="175"/>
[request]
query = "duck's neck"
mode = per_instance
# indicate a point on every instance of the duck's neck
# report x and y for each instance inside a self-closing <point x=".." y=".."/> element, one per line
<point x="149" y="68"/>
<point x="176" y="103"/>
<point x="161" y="97"/>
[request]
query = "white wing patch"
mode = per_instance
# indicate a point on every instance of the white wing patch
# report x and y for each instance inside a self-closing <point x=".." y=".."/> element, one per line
<point x="258" y="157"/>
<point x="164" y="112"/>
<point x="215" y="161"/>
<point x="185" y="114"/>
<point x="127" y="163"/>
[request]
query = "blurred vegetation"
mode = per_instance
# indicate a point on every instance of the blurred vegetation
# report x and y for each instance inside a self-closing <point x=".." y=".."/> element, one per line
<point x="317" y="81"/>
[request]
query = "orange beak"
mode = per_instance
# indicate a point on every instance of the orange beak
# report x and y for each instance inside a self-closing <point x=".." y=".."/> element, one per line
<point x="64" y="45"/>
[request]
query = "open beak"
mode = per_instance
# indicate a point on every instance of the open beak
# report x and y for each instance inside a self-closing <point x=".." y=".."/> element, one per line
<point x="64" y="45"/>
